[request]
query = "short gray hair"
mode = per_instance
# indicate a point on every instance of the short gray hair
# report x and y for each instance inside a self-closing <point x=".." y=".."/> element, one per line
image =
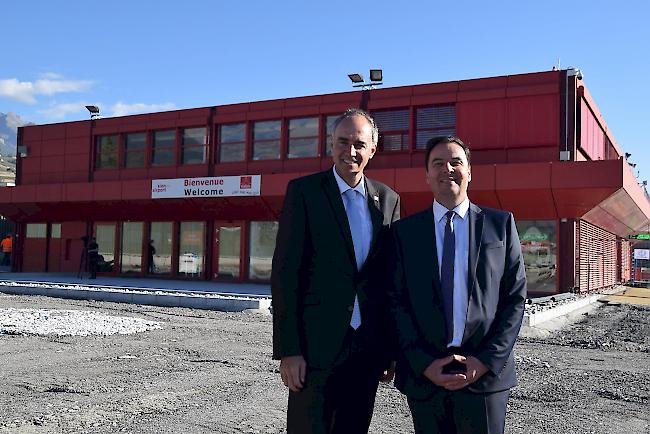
<point x="351" y="112"/>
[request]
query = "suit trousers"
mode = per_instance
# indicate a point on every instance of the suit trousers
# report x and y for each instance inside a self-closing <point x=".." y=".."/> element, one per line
<point x="339" y="399"/>
<point x="459" y="412"/>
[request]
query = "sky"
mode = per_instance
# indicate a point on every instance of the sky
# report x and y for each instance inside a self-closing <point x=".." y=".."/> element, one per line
<point x="145" y="56"/>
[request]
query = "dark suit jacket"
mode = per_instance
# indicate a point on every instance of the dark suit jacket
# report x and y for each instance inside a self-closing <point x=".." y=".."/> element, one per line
<point x="497" y="293"/>
<point x="315" y="278"/>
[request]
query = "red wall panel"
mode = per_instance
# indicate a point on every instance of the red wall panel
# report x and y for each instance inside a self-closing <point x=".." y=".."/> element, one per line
<point x="53" y="147"/>
<point x="482" y="124"/>
<point x="533" y="121"/>
<point x="592" y="136"/>
<point x="34" y="254"/>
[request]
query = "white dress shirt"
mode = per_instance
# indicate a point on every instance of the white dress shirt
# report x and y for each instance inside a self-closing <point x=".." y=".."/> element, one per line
<point x="460" y="225"/>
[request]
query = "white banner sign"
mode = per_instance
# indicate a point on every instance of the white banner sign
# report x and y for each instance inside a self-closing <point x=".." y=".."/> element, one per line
<point x="220" y="186"/>
<point x="641" y="253"/>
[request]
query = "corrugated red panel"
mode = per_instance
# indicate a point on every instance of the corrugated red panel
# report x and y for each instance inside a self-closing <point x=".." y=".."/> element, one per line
<point x="592" y="136"/>
<point x="597" y="262"/>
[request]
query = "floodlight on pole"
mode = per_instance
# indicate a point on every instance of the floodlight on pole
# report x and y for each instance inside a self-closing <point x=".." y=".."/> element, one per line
<point x="94" y="111"/>
<point x="356" y="78"/>
<point x="376" y="75"/>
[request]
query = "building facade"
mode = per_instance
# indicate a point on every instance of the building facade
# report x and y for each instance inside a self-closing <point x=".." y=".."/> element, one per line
<point x="205" y="186"/>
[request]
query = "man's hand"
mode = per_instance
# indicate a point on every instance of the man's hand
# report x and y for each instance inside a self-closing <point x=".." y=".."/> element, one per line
<point x="292" y="372"/>
<point x="388" y="375"/>
<point x="447" y="381"/>
<point x="475" y="369"/>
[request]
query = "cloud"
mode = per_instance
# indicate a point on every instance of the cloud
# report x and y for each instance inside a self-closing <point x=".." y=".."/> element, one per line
<point x="27" y="91"/>
<point x="61" y="111"/>
<point x="123" y="109"/>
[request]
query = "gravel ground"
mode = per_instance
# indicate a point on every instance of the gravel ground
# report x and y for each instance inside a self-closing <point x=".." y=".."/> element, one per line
<point x="205" y="371"/>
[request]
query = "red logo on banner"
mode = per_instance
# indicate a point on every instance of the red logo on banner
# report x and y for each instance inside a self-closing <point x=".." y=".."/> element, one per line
<point x="246" y="182"/>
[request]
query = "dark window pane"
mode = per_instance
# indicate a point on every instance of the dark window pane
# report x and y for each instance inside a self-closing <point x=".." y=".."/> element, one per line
<point x="194" y="136"/>
<point x="302" y="148"/>
<point x="164" y="157"/>
<point x="106" y="152"/>
<point x="424" y="136"/>
<point x="306" y="127"/>
<point x="135" y="141"/>
<point x="434" y="122"/>
<point x="232" y="133"/>
<point x="134" y="159"/>
<point x="393" y="120"/>
<point x="106" y="161"/>
<point x="395" y="142"/>
<point x="164" y="139"/>
<point x="231" y="152"/>
<point x="329" y="127"/>
<point x="393" y="129"/>
<point x="266" y="150"/>
<point x="266" y="130"/>
<point x="194" y="155"/>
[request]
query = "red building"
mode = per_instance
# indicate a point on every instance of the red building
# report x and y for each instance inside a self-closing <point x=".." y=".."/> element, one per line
<point x="207" y="184"/>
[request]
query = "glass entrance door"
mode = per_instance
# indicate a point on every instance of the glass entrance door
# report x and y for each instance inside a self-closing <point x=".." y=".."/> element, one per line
<point x="105" y="236"/>
<point x="227" y="251"/>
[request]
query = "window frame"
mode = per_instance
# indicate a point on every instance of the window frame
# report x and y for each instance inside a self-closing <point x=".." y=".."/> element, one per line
<point x="405" y="134"/>
<point x="204" y="145"/>
<point x="265" y="140"/>
<point x="244" y="143"/>
<point x="98" y="153"/>
<point x="315" y="137"/>
<point x="173" y="148"/>
<point x="143" y="150"/>
<point x="432" y="129"/>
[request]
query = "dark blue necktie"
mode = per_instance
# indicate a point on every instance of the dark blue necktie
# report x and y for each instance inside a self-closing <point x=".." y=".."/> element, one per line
<point x="447" y="274"/>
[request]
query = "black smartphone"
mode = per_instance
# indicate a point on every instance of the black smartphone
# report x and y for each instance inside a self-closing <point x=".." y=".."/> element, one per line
<point x="454" y="367"/>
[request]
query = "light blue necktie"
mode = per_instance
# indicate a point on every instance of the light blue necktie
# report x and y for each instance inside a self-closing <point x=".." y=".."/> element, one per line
<point x="355" y="201"/>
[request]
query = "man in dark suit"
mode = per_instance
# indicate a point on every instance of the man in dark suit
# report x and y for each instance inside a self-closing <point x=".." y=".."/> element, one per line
<point x="457" y="301"/>
<point x="330" y="313"/>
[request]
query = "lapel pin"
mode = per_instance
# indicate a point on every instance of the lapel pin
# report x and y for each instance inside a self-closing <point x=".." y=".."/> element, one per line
<point x="376" y="198"/>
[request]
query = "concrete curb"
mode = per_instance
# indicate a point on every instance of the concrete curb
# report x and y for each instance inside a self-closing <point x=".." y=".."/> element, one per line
<point x="164" y="299"/>
<point x="531" y="320"/>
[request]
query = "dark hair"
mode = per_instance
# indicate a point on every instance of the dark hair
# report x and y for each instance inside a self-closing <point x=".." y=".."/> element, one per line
<point x="443" y="140"/>
<point x="351" y="112"/>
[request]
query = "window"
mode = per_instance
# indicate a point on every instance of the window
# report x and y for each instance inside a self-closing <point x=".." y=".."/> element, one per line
<point x="105" y="237"/>
<point x="161" y="234"/>
<point x="163" y="152"/>
<point x="393" y="129"/>
<point x="194" y="145"/>
<point x="329" y="130"/>
<point x="36" y="230"/>
<point x="303" y="138"/>
<point x="134" y="149"/>
<point x="106" y="156"/>
<point x="190" y="255"/>
<point x="262" y="245"/>
<point x="539" y="249"/>
<point x="266" y="140"/>
<point x="131" y="260"/>
<point x="232" y="142"/>
<point x="55" y="230"/>
<point x="434" y="122"/>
